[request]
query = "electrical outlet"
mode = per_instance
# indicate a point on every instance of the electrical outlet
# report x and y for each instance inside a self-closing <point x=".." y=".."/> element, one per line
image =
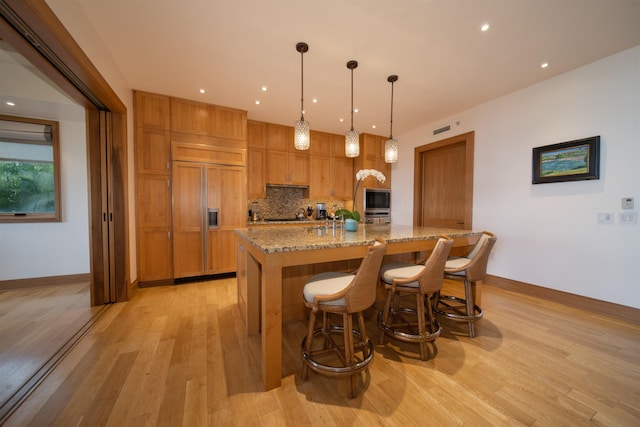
<point x="605" y="217"/>
<point x="627" y="203"/>
<point x="628" y="218"/>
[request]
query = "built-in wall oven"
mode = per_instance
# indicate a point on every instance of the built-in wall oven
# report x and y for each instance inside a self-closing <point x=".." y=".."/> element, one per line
<point x="377" y="206"/>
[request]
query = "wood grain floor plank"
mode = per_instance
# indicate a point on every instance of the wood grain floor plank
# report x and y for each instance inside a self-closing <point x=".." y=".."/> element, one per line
<point x="178" y="356"/>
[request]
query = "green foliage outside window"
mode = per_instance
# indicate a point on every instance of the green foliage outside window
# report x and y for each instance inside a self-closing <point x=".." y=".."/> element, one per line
<point x="26" y="187"/>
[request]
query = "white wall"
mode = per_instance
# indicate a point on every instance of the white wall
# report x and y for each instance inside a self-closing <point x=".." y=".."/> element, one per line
<point x="47" y="249"/>
<point x="72" y="16"/>
<point x="547" y="233"/>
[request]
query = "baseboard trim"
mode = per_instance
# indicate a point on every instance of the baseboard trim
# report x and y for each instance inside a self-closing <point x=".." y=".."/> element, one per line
<point x="623" y="312"/>
<point x="37" y="282"/>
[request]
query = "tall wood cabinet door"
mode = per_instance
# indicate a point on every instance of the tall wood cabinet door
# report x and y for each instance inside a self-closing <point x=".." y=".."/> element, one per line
<point x="256" y="172"/>
<point x="342" y="177"/>
<point x="188" y="220"/>
<point x="319" y="177"/>
<point x="225" y="192"/>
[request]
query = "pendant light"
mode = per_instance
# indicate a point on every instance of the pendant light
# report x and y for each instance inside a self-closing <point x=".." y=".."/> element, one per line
<point x="391" y="146"/>
<point x="352" y="139"/>
<point x="301" y="128"/>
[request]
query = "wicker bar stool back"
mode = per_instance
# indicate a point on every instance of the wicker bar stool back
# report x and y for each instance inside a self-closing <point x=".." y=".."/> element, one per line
<point x="342" y="350"/>
<point x="424" y="280"/>
<point x="469" y="270"/>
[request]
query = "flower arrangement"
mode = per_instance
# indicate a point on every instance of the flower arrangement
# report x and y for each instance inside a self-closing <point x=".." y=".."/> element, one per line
<point x="361" y="175"/>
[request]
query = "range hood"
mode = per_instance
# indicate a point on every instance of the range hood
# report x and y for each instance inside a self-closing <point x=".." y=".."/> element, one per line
<point x="304" y="187"/>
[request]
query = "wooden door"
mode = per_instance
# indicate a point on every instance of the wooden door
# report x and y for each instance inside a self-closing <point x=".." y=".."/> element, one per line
<point x="443" y="190"/>
<point x="188" y="220"/>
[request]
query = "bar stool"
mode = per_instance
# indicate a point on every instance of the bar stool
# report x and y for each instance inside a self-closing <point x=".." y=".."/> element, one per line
<point x="423" y="280"/>
<point x="345" y="294"/>
<point x="468" y="269"/>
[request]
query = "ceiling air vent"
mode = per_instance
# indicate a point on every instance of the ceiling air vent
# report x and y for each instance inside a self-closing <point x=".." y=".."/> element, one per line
<point x="442" y="129"/>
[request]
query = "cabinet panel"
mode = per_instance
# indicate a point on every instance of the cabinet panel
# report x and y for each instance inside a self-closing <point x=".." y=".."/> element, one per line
<point x="277" y="167"/>
<point x="279" y="137"/>
<point x="187" y="254"/>
<point x="298" y="168"/>
<point x="256" y="134"/>
<point x="229" y="123"/>
<point x="190" y="117"/>
<point x="152" y="110"/>
<point x="233" y="198"/>
<point x="320" y="177"/>
<point x="153" y="201"/>
<point x="256" y="172"/>
<point x="342" y="177"/>
<point x="155" y="257"/>
<point x="153" y="151"/>
<point x="188" y="220"/>
<point x="320" y="144"/>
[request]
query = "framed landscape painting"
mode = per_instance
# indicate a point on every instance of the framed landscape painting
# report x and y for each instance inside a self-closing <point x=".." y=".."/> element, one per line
<point x="567" y="161"/>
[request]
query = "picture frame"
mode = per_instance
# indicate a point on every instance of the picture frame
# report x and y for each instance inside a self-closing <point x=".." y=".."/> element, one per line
<point x="575" y="160"/>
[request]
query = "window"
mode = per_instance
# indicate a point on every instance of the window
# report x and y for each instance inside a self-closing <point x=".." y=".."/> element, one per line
<point x="29" y="170"/>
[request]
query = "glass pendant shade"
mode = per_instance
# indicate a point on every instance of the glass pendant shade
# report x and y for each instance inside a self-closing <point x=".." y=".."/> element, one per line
<point x="391" y="146"/>
<point x="352" y="138"/>
<point x="301" y="139"/>
<point x="352" y="144"/>
<point x="301" y="132"/>
<point x="391" y="151"/>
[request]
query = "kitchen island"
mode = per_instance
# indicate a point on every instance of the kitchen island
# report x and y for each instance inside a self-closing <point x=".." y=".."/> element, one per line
<point x="274" y="263"/>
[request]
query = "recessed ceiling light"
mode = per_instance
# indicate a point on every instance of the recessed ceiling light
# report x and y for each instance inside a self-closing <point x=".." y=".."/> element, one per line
<point x="485" y="27"/>
<point x="263" y="88"/>
<point x="314" y="100"/>
<point x="257" y="102"/>
<point x="202" y="91"/>
<point x="355" y="110"/>
<point x="544" y="65"/>
<point x="11" y="104"/>
<point x="341" y="120"/>
<point x="373" y="126"/>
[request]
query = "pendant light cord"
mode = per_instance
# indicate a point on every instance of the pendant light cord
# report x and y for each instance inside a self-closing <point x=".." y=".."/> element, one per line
<point x="302" y="86"/>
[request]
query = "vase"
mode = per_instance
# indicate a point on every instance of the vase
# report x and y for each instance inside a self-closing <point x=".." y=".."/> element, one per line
<point x="351" y="224"/>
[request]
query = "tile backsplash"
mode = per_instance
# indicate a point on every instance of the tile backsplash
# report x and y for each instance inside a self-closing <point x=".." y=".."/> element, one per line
<point x="284" y="202"/>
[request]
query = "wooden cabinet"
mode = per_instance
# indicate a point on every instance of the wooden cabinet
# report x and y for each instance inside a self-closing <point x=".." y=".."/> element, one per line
<point x="153" y="187"/>
<point x="372" y="157"/>
<point x="285" y="164"/>
<point x="208" y="205"/>
<point x="190" y="156"/>
<point x="331" y="172"/>
<point x="256" y="159"/>
<point x="152" y="111"/>
<point x="198" y="118"/>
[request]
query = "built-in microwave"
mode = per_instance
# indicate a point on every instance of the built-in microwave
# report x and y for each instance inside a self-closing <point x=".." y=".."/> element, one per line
<point x="377" y="199"/>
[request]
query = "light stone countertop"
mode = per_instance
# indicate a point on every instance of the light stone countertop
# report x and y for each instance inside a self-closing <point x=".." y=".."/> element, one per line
<point x="306" y="237"/>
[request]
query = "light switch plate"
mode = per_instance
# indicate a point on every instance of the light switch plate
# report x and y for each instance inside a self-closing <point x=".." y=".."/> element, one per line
<point x="628" y="217"/>
<point x="605" y="217"/>
<point x="627" y="203"/>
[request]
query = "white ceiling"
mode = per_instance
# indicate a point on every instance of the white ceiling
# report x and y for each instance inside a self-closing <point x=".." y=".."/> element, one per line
<point x="444" y="62"/>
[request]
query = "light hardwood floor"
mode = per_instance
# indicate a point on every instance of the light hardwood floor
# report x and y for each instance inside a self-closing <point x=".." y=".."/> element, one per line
<point x="178" y="356"/>
<point x="36" y="323"/>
